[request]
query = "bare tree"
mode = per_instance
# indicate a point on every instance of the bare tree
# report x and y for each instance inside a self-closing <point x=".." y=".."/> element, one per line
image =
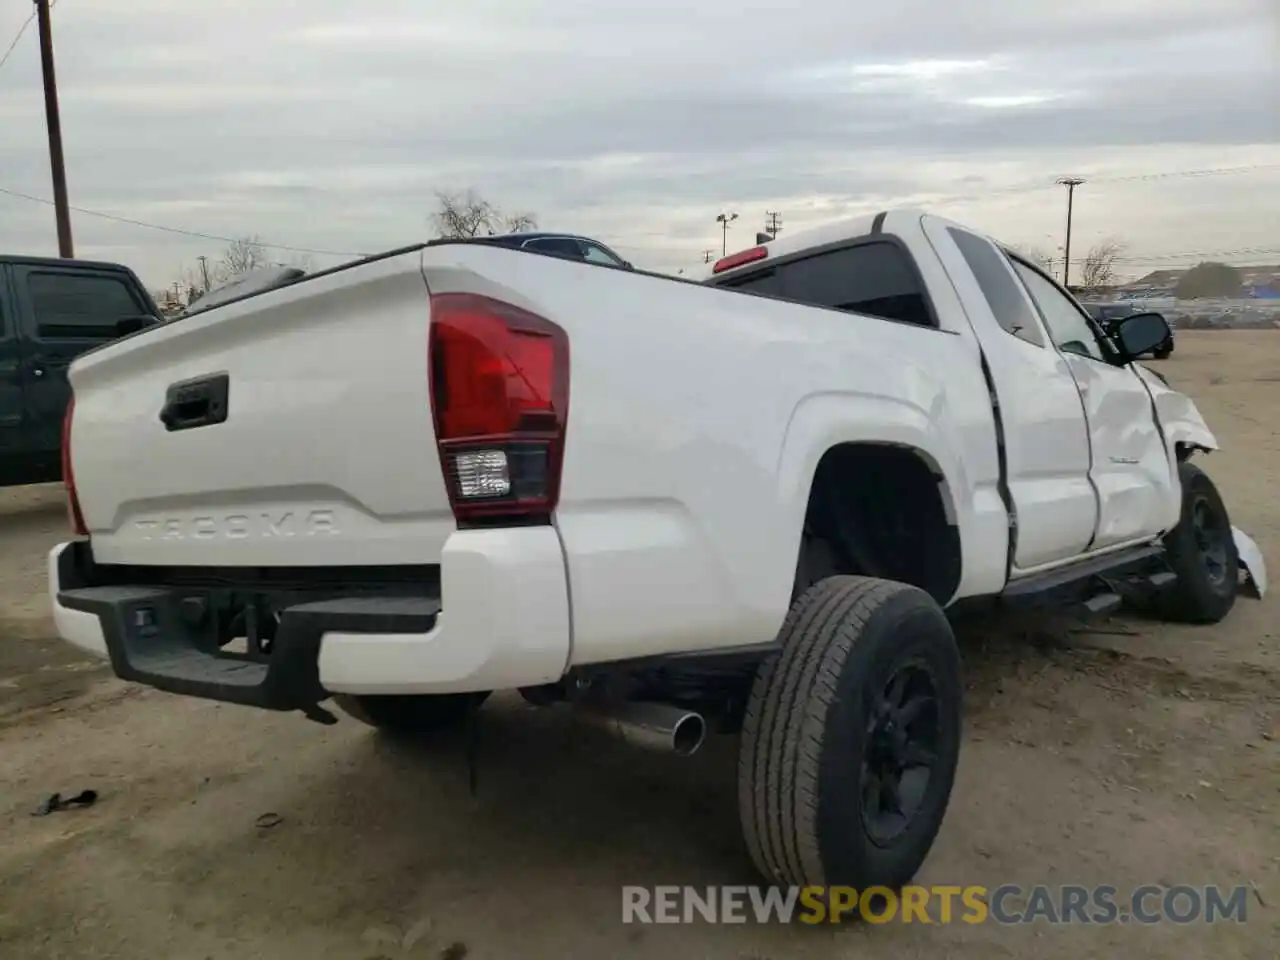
<point x="459" y="216"/>
<point x="240" y="257"/>
<point x="518" y="222"/>
<point x="1036" y="255"/>
<point x="1099" y="267"/>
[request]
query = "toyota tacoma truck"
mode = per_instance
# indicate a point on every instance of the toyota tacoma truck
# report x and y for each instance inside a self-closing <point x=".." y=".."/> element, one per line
<point x="744" y="503"/>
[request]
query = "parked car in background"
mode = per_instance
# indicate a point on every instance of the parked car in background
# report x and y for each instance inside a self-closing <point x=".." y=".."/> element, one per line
<point x="1110" y="314"/>
<point x="568" y="245"/>
<point x="51" y="311"/>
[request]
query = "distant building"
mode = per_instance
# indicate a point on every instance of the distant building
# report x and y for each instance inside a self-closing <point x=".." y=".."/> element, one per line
<point x="1262" y="282"/>
<point x="1157" y="283"/>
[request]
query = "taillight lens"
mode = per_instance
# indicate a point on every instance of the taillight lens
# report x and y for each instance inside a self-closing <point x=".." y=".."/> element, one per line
<point x="500" y="402"/>
<point x="74" y="516"/>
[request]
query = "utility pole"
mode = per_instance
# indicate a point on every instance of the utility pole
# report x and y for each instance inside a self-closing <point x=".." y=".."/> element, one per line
<point x="61" y="210"/>
<point x="204" y="271"/>
<point x="773" y="224"/>
<point x="724" y="220"/>
<point x="1070" y="183"/>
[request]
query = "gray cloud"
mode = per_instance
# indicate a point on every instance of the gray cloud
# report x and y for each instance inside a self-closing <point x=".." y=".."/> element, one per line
<point x="318" y="124"/>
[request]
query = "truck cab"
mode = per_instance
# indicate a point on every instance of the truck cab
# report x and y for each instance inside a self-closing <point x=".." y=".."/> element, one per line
<point x="52" y="311"/>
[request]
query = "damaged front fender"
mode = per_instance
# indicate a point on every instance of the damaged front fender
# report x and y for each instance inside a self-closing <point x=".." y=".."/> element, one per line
<point x="1181" y="422"/>
<point x="1251" y="560"/>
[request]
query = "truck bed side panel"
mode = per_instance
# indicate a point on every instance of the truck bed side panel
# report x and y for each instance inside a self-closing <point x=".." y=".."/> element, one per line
<point x="696" y="419"/>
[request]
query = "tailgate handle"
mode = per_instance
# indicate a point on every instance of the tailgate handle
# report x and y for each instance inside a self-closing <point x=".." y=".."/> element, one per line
<point x="201" y="402"/>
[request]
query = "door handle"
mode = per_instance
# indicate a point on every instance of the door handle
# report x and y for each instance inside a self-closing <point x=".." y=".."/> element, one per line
<point x="201" y="402"/>
<point x="38" y="372"/>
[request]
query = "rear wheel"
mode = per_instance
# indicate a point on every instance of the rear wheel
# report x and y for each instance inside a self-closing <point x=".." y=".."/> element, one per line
<point x="851" y="737"/>
<point x="1164" y="352"/>
<point x="1201" y="550"/>
<point x="411" y="715"/>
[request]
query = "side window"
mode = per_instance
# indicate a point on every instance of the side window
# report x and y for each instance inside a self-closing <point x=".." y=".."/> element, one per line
<point x="558" y="246"/>
<point x="79" y="305"/>
<point x="1067" y="325"/>
<point x="872" y="278"/>
<point x="595" y="254"/>
<point x="1007" y="301"/>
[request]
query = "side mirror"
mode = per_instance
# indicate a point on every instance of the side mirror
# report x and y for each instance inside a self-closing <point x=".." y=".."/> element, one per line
<point x="1140" y="333"/>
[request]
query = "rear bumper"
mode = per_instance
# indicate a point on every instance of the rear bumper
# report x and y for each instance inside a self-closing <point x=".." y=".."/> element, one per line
<point x="497" y="618"/>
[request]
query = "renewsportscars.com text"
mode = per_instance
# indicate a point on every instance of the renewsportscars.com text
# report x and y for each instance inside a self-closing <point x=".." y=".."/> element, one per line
<point x="1007" y="904"/>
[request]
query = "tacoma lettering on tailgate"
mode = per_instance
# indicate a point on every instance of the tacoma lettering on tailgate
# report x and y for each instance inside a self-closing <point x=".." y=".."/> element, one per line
<point x="240" y="526"/>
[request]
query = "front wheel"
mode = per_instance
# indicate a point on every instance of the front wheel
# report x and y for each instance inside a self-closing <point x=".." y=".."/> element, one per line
<point x="851" y="737"/>
<point x="1201" y="551"/>
<point x="411" y="715"/>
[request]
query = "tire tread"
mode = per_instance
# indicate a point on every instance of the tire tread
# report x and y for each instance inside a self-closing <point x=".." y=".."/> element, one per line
<point x="779" y="763"/>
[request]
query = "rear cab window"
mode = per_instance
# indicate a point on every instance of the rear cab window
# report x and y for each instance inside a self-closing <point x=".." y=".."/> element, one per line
<point x="876" y="277"/>
<point x="566" y="247"/>
<point x="81" y="305"/>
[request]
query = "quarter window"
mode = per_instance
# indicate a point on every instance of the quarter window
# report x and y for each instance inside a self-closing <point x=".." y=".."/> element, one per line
<point x="594" y="254"/>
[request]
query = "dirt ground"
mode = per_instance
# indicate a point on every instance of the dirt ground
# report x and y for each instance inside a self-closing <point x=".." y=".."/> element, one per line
<point x="1133" y="753"/>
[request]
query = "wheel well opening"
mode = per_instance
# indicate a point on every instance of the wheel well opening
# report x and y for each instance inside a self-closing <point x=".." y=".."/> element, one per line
<point x="1184" y="450"/>
<point x="880" y="511"/>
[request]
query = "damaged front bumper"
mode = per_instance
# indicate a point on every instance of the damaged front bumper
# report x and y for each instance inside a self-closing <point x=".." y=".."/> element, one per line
<point x="1252" y="562"/>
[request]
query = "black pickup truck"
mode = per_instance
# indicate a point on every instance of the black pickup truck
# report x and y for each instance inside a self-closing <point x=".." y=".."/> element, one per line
<point x="51" y="311"/>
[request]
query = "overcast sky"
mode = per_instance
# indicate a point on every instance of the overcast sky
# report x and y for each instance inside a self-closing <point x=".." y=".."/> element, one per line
<point x="330" y="124"/>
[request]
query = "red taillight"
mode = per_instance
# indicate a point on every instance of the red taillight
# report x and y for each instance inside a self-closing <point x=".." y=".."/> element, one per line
<point x="500" y="402"/>
<point x="74" y="515"/>
<point x="738" y="259"/>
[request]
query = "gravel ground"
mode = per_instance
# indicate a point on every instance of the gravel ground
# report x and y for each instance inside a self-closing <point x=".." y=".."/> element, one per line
<point x="1134" y="753"/>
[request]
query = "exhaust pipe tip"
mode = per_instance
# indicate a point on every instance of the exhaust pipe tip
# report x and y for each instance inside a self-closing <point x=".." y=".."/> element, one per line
<point x="651" y="726"/>
<point x="688" y="734"/>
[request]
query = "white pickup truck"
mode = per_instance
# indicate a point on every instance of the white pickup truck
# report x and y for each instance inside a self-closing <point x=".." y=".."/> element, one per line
<point x="456" y="468"/>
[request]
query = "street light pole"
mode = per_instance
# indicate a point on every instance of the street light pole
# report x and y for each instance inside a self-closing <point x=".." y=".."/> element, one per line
<point x="1070" y="183"/>
<point x="724" y="220"/>
<point x="61" y="210"/>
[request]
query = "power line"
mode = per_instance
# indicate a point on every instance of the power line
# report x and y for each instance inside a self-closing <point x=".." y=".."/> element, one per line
<point x="1010" y="191"/>
<point x="180" y="230"/>
<point x="1040" y="187"/>
<point x="16" y="37"/>
<point x="1237" y="254"/>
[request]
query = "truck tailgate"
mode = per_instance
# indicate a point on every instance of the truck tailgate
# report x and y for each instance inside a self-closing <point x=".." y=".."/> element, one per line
<point x="326" y="455"/>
